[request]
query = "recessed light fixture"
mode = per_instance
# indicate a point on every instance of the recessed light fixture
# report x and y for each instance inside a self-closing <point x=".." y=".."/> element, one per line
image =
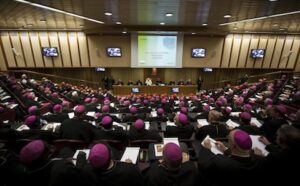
<point x="108" y="13"/>
<point x="281" y="29"/>
<point x="118" y="23"/>
<point x="169" y="14"/>
<point x="235" y="28"/>
<point x="29" y="24"/>
<point x="43" y="20"/>
<point x="272" y="0"/>
<point x="260" y="18"/>
<point x="124" y="32"/>
<point x="162" y="23"/>
<point x="275" y="24"/>
<point x="227" y="16"/>
<point x="193" y="33"/>
<point x="204" y="24"/>
<point x="247" y="31"/>
<point x="58" y="11"/>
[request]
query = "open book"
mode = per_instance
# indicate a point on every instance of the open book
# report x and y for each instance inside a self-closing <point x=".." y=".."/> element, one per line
<point x="169" y="123"/>
<point x="153" y="114"/>
<point x="119" y="125"/>
<point x="235" y="114"/>
<point x="257" y="144"/>
<point x="256" y="122"/>
<point x="131" y="153"/>
<point x="214" y="148"/>
<point x="171" y="140"/>
<point x="202" y="122"/>
<point x="232" y="124"/>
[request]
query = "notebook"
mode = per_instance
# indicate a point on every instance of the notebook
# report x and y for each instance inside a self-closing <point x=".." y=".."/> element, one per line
<point x="87" y="152"/>
<point x="213" y="145"/>
<point x="131" y="153"/>
<point x="232" y="124"/>
<point x="257" y="144"/>
<point x="256" y="122"/>
<point x="202" y="122"/>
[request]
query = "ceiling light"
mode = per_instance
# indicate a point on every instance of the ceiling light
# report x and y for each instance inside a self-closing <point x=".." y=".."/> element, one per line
<point x="169" y="14"/>
<point x="247" y="31"/>
<point x="204" y="24"/>
<point x="227" y="16"/>
<point x="275" y="24"/>
<point x="281" y="29"/>
<point x="29" y="24"/>
<point x="118" y="23"/>
<point x="235" y="28"/>
<point x="124" y="32"/>
<point x="260" y="18"/>
<point x="162" y="23"/>
<point x="193" y="33"/>
<point x="58" y="11"/>
<point x="108" y="13"/>
<point x="272" y="0"/>
<point x="43" y="20"/>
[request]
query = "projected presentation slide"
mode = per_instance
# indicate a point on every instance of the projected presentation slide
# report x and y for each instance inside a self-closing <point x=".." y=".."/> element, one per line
<point x="157" y="51"/>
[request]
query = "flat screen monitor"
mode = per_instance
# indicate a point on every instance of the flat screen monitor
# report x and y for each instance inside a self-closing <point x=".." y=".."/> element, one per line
<point x="175" y="90"/>
<point x="100" y="69"/>
<point x="113" y="52"/>
<point x="207" y="69"/>
<point x="135" y="90"/>
<point x="50" y="51"/>
<point x="198" y="52"/>
<point x="257" y="53"/>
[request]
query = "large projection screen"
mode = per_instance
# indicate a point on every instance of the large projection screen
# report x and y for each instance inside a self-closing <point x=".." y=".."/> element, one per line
<point x="156" y="51"/>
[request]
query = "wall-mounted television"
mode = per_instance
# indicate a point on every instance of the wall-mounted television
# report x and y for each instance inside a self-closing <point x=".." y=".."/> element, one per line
<point x="207" y="69"/>
<point x="175" y="90"/>
<point x="135" y="90"/>
<point x="257" y="53"/>
<point x="100" y="69"/>
<point x="198" y="52"/>
<point x="114" y="52"/>
<point x="50" y="51"/>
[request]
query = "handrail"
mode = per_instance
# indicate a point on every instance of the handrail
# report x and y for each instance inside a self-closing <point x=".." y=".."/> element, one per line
<point x="54" y="76"/>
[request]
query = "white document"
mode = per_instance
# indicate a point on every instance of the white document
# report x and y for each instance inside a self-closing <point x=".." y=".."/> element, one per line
<point x="256" y="122"/>
<point x="158" y="148"/>
<point x="257" y="144"/>
<point x="92" y="114"/>
<point x="232" y="124"/>
<point x="71" y="115"/>
<point x="117" y="115"/>
<point x="153" y="114"/>
<point x="169" y="123"/>
<point x="171" y="140"/>
<point x="131" y="153"/>
<point x="12" y="106"/>
<point x="236" y="114"/>
<point x="213" y="149"/>
<point x="46" y="113"/>
<point x="51" y="125"/>
<point x="202" y="122"/>
<point x="119" y="125"/>
<point x="6" y="97"/>
<point x="23" y="127"/>
<point x="87" y="152"/>
<point x="112" y="104"/>
<point x="176" y="102"/>
<point x="147" y="125"/>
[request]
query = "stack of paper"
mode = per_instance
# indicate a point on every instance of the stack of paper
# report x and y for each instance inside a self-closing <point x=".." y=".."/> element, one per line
<point x="92" y="114"/>
<point x="232" y="124"/>
<point x="169" y="123"/>
<point x="71" y="115"/>
<point x="86" y="151"/>
<point x="257" y="144"/>
<point x="153" y="114"/>
<point x="256" y="122"/>
<point x="171" y="140"/>
<point x="158" y="148"/>
<point x="202" y="122"/>
<point x="147" y="125"/>
<point x="23" y="127"/>
<point x="235" y="114"/>
<point x="119" y="125"/>
<point x="131" y="153"/>
<point x="214" y="148"/>
<point x="53" y="126"/>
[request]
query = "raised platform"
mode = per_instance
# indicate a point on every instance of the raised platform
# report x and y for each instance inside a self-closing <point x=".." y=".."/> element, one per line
<point x="174" y="89"/>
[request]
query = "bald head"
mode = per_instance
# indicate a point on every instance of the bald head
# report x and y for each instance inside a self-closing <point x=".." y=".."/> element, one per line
<point x="214" y="116"/>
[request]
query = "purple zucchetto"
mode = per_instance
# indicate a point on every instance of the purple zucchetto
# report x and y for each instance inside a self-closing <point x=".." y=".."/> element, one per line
<point x="79" y="109"/>
<point x="160" y="111"/>
<point x="182" y="118"/>
<point x="30" y="120"/>
<point x="247" y="107"/>
<point x="99" y="156"/>
<point x="57" y="108"/>
<point x="106" y="120"/>
<point x="172" y="152"/>
<point x="183" y="110"/>
<point x="206" y="108"/>
<point x="139" y="124"/>
<point x="268" y="101"/>
<point x="87" y="100"/>
<point x="243" y="140"/>
<point x="32" y="110"/>
<point x="133" y="110"/>
<point x="32" y="151"/>
<point x="106" y="102"/>
<point x="245" y="116"/>
<point x="281" y="109"/>
<point x="228" y="110"/>
<point x="105" y="109"/>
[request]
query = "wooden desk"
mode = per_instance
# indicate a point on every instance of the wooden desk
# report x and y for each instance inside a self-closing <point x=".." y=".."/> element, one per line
<point x="183" y="89"/>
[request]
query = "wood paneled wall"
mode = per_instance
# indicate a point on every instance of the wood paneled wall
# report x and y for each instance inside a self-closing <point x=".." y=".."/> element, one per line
<point x="79" y="50"/>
